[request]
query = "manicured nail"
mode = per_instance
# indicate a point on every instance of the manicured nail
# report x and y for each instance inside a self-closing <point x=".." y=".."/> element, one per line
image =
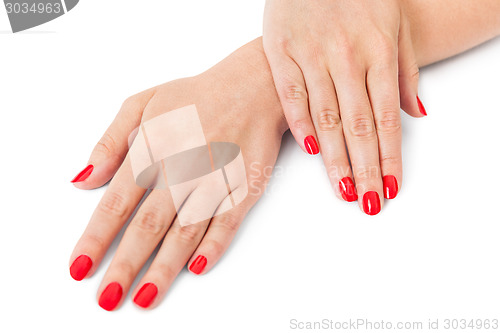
<point x="311" y="145"/>
<point x="198" y="265"/>
<point x="80" y="267"/>
<point x="111" y="296"/>
<point x="390" y="187"/>
<point x="371" y="203"/>
<point x="347" y="189"/>
<point x="84" y="174"/>
<point x="421" y="107"/>
<point x="146" y="295"/>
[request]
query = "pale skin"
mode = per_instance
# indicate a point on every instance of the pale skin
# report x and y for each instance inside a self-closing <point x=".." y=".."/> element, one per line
<point x="253" y="119"/>
<point x="343" y="69"/>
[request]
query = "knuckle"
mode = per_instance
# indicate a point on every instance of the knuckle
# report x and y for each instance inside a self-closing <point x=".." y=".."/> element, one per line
<point x="95" y="241"/>
<point x="299" y="124"/>
<point x="281" y="43"/>
<point x="214" y="247"/>
<point x="114" y="204"/>
<point x="295" y="94"/>
<point x="150" y="222"/>
<point x="131" y="102"/>
<point x="329" y="120"/>
<point x="388" y="122"/>
<point x="390" y="160"/>
<point x="106" y="145"/>
<point x="188" y="234"/>
<point x="229" y="222"/>
<point x="124" y="267"/>
<point x="361" y="127"/>
<point x="166" y="272"/>
<point x="385" y="47"/>
<point x="313" y="52"/>
<point x="412" y="72"/>
<point x="365" y="173"/>
<point x="343" y="45"/>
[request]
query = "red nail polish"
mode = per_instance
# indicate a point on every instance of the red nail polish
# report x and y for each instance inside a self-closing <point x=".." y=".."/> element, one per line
<point x="146" y="295"/>
<point x="80" y="267"/>
<point x="311" y="145"/>
<point x="371" y="203"/>
<point x="421" y="107"/>
<point x="198" y="265"/>
<point x="84" y="174"/>
<point x="111" y="296"/>
<point x="347" y="189"/>
<point x="390" y="187"/>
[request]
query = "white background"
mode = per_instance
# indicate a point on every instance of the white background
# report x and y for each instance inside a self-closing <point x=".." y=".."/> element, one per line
<point x="301" y="253"/>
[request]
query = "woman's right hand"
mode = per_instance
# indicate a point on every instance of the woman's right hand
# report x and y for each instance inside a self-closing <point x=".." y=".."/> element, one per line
<point x="342" y="69"/>
<point x="236" y="103"/>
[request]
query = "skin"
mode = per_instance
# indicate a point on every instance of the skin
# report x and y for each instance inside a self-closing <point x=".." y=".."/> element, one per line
<point x="237" y="102"/>
<point x="343" y="69"/>
<point x="335" y="65"/>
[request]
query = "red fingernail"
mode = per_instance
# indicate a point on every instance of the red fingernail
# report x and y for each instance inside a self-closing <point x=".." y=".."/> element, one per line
<point x="347" y="189"/>
<point x="371" y="203"/>
<point x="146" y="295"/>
<point x="421" y="107"/>
<point x="311" y="145"/>
<point x="80" y="267"/>
<point x="84" y="174"/>
<point x="198" y="265"/>
<point x="111" y="296"/>
<point x="390" y="187"/>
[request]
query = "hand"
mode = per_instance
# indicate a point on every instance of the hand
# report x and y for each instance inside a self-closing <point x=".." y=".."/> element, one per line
<point x="342" y="69"/>
<point x="237" y="103"/>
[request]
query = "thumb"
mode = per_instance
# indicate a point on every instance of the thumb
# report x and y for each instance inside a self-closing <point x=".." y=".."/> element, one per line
<point x="110" y="151"/>
<point x="409" y="75"/>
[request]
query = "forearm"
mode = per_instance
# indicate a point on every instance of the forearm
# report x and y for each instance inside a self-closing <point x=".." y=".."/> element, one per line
<point x="443" y="28"/>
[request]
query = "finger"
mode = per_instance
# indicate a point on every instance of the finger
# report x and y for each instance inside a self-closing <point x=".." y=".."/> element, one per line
<point x="359" y="131"/>
<point x="146" y="230"/>
<point x="112" y="148"/>
<point x="292" y="92"/>
<point x="383" y="91"/>
<point x="180" y="242"/>
<point x="408" y="74"/>
<point x="326" y="117"/>
<point x="114" y="209"/>
<point x="219" y="235"/>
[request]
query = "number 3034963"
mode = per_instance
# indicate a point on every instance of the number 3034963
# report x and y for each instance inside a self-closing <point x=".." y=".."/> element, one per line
<point x="34" y="8"/>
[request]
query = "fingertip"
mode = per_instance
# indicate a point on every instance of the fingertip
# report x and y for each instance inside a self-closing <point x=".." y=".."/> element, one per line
<point x="421" y="107"/>
<point x="80" y="267"/>
<point x="83" y="175"/>
<point x="311" y="145"/>
<point x="371" y="203"/>
<point x="96" y="174"/>
<point x="198" y="265"/>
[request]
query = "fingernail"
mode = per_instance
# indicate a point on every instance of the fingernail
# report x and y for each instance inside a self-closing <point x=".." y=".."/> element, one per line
<point x="84" y="174"/>
<point x="371" y="203"/>
<point x="421" y="107"/>
<point x="198" y="265"/>
<point x="347" y="189"/>
<point x="311" y="145"/>
<point x="111" y="296"/>
<point x="80" y="267"/>
<point x="390" y="187"/>
<point x="146" y="295"/>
